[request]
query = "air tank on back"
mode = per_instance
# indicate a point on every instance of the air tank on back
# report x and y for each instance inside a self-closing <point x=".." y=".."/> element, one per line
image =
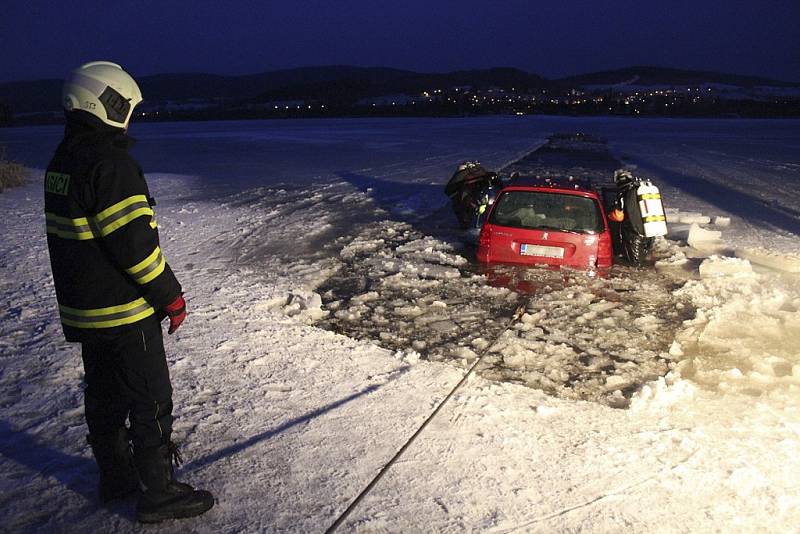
<point x="652" y="210"/>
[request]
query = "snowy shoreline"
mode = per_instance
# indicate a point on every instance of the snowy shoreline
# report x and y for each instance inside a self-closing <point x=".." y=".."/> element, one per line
<point x="287" y="422"/>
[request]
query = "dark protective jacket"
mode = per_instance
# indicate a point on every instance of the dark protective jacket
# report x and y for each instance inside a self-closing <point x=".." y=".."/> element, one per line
<point x="470" y="177"/>
<point x="630" y="202"/>
<point x="108" y="268"/>
<point x="626" y="199"/>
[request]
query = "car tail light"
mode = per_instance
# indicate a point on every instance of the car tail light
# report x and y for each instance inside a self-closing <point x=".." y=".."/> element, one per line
<point x="484" y="239"/>
<point x="605" y="255"/>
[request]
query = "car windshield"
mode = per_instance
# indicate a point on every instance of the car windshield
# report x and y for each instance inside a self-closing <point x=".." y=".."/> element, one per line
<point x="553" y="211"/>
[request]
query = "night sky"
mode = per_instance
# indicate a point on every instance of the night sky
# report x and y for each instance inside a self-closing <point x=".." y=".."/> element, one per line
<point x="554" y="38"/>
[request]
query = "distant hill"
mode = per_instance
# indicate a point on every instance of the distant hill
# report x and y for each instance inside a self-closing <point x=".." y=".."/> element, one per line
<point x="357" y="85"/>
<point x="162" y="87"/>
<point x="309" y="82"/>
<point x="32" y="96"/>
<point x="667" y="76"/>
<point x="344" y="85"/>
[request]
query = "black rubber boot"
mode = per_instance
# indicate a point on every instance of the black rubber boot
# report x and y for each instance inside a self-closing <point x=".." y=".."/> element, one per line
<point x="164" y="497"/>
<point x="118" y="477"/>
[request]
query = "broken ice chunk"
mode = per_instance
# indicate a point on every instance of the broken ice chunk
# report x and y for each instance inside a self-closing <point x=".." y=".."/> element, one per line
<point x="774" y="260"/>
<point x="704" y="239"/>
<point x="724" y="266"/>
<point x="305" y="306"/>
<point x="615" y="382"/>
<point x="774" y="366"/>
<point x="691" y="217"/>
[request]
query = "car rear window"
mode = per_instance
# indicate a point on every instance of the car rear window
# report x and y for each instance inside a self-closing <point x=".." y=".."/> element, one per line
<point x="553" y="211"/>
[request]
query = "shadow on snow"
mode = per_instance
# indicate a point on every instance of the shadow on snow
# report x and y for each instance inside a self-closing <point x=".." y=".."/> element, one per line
<point x="77" y="473"/>
<point x="306" y="417"/>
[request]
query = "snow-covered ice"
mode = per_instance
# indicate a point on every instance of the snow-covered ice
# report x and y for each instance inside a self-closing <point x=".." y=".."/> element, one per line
<point x="286" y="421"/>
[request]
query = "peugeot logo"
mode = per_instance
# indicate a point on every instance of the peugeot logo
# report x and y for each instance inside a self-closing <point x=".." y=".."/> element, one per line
<point x="545" y="235"/>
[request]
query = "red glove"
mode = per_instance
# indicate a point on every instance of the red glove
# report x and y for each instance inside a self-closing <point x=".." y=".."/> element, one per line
<point x="176" y="310"/>
<point x="617" y="215"/>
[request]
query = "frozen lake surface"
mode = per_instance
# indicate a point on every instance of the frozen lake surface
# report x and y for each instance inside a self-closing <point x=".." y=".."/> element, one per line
<point x="267" y="223"/>
<point x="305" y="151"/>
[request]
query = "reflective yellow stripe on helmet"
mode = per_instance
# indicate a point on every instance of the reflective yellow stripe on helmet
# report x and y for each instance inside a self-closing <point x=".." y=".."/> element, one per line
<point x="149" y="268"/>
<point x="106" y="317"/>
<point x="650" y="196"/>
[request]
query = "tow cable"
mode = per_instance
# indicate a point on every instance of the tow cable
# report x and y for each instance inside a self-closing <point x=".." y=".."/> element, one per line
<point x="339" y="520"/>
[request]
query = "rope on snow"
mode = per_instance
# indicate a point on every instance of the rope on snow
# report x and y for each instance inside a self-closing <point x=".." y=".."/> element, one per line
<point x="339" y="520"/>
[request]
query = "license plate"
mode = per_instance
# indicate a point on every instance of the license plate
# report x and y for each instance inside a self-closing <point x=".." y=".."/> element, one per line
<point x="541" y="250"/>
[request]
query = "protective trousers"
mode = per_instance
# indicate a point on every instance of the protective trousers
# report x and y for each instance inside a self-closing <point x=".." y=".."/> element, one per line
<point x="127" y="378"/>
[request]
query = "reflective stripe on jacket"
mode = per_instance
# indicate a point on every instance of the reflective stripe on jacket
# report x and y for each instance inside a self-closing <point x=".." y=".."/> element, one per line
<point x="108" y="267"/>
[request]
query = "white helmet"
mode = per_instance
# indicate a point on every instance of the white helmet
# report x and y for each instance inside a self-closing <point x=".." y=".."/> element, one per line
<point x="103" y="89"/>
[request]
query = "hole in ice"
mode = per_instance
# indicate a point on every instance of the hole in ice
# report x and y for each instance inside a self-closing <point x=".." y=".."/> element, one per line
<point x="581" y="337"/>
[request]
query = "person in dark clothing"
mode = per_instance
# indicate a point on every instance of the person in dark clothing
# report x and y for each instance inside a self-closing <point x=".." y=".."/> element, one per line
<point x="113" y="287"/>
<point x="472" y="190"/>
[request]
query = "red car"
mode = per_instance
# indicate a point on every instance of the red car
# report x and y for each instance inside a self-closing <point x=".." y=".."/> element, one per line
<point x="547" y="221"/>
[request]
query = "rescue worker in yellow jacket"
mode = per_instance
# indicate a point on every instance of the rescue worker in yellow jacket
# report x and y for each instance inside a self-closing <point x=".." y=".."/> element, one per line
<point x="113" y="286"/>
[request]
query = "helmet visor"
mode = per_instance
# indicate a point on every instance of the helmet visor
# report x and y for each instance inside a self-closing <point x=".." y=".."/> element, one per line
<point x="117" y="107"/>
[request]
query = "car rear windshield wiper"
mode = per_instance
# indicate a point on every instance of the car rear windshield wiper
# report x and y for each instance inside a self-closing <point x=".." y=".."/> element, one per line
<point x="554" y="228"/>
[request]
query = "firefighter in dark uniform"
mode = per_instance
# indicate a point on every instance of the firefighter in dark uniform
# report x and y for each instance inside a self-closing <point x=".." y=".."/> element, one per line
<point x="113" y="286"/>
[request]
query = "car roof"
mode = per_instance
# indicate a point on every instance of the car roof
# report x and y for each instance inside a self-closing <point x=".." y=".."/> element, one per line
<point x="565" y="184"/>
